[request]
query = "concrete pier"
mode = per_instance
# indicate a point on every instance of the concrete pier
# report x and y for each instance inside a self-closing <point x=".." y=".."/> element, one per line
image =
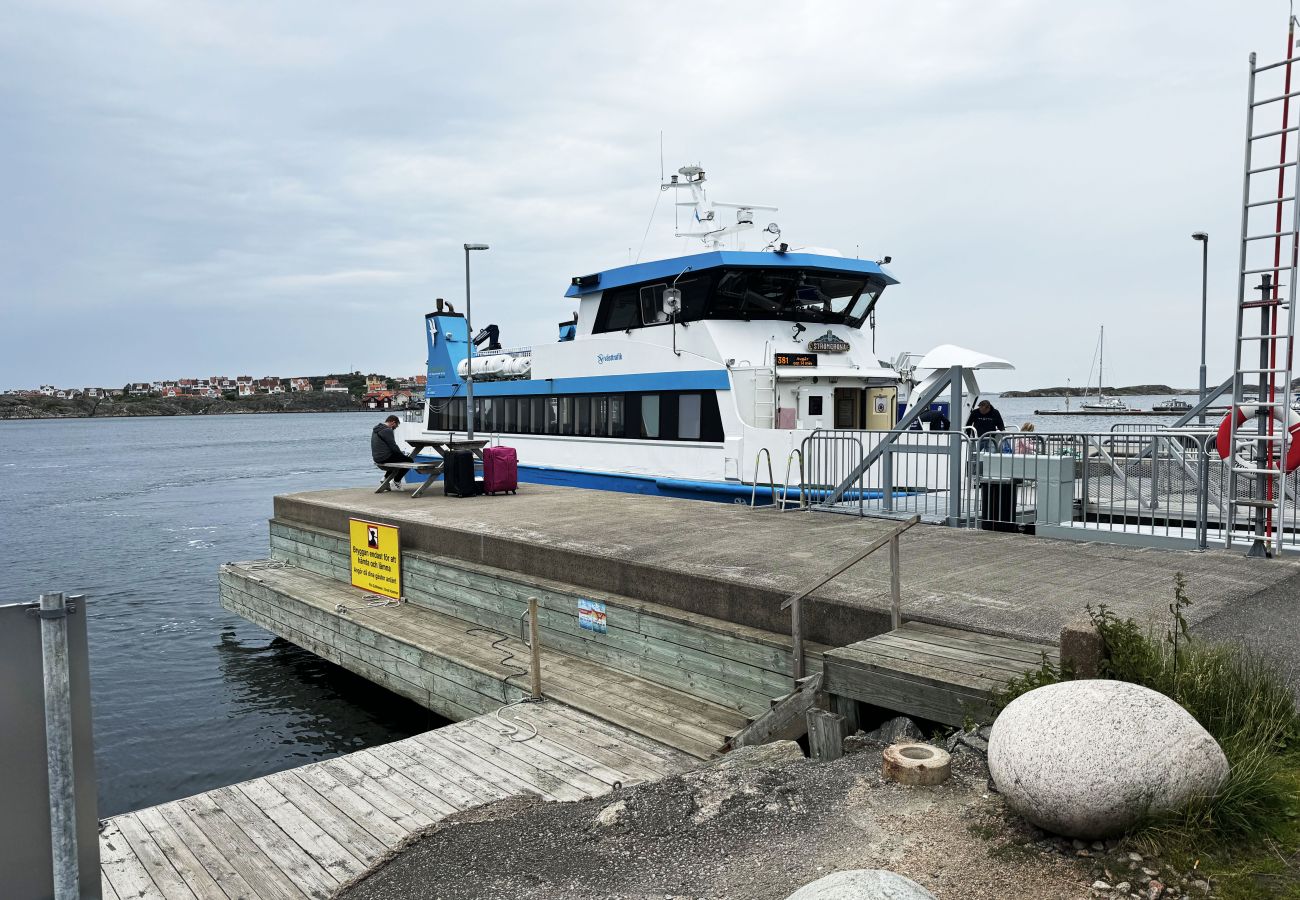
<point x="737" y="564"/>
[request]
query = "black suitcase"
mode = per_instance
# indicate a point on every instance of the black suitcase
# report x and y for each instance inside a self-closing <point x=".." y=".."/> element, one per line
<point x="458" y="474"/>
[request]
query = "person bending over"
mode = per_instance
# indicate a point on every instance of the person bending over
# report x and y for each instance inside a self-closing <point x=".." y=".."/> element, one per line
<point x="384" y="449"/>
<point x="985" y="418"/>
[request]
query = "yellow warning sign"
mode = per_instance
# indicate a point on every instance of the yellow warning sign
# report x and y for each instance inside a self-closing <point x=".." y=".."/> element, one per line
<point x="376" y="558"/>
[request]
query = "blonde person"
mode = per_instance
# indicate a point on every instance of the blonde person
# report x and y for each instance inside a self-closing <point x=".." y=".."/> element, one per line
<point x="1025" y="443"/>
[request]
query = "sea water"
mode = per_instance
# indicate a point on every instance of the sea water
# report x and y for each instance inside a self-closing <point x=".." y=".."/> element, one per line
<point x="138" y="514"/>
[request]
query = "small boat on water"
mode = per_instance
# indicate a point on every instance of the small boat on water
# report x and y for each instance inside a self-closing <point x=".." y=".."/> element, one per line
<point x="1102" y="403"/>
<point x="675" y="376"/>
<point x="1172" y="406"/>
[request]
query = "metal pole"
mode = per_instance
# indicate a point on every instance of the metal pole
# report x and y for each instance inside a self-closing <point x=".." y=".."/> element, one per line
<point x="1259" y="547"/>
<point x="957" y="381"/>
<point x="1205" y="269"/>
<point x="58" y="745"/>
<point x="535" y="648"/>
<point x="469" y="351"/>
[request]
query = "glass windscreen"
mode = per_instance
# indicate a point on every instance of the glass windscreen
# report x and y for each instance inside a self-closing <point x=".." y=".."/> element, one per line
<point x="833" y="298"/>
<point x="791" y="294"/>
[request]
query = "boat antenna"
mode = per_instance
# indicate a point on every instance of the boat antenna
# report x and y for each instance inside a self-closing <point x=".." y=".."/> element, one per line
<point x="661" y="156"/>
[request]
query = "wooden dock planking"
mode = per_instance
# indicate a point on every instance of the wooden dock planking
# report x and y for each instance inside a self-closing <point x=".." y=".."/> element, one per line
<point x="460" y="667"/>
<point x="931" y="671"/>
<point x="303" y="832"/>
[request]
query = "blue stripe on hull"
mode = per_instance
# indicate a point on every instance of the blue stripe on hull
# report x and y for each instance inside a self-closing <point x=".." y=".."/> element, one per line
<point x="681" y="488"/>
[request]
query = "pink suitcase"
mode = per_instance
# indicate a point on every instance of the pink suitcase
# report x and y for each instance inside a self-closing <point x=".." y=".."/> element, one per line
<point x="500" y="470"/>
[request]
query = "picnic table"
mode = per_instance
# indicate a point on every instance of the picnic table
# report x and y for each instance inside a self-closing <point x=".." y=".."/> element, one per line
<point x="431" y="469"/>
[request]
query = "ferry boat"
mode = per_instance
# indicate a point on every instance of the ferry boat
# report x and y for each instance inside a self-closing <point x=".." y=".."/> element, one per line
<point x="674" y="375"/>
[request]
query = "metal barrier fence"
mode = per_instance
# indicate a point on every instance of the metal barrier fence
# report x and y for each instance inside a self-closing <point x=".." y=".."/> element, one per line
<point x="1150" y="486"/>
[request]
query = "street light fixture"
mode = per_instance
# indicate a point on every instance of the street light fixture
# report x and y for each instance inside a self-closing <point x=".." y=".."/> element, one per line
<point x="469" y="350"/>
<point x="1204" y="240"/>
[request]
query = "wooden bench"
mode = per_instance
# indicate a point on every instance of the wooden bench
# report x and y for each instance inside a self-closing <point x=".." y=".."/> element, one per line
<point x="431" y="469"/>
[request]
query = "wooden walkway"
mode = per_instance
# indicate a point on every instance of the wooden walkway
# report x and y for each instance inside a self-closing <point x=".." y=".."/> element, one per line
<point x="303" y="832"/>
<point x="930" y="671"/>
<point x="462" y="668"/>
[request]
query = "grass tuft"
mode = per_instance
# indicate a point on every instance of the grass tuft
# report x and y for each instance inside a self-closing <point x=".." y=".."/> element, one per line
<point x="1241" y="698"/>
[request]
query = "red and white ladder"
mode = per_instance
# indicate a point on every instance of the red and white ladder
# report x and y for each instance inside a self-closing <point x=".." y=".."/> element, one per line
<point x="1266" y="294"/>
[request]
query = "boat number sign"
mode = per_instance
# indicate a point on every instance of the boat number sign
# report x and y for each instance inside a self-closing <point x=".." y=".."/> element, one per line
<point x="798" y="360"/>
<point x="829" y="343"/>
<point x="376" y="558"/>
<point x="591" y="616"/>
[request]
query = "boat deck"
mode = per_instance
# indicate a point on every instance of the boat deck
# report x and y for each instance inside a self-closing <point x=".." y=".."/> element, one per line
<point x="304" y="832"/>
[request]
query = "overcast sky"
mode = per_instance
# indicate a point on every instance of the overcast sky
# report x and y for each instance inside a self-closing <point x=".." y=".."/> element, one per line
<point x="193" y="189"/>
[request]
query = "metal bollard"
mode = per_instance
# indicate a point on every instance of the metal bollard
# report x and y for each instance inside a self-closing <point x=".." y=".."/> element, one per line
<point x="58" y="744"/>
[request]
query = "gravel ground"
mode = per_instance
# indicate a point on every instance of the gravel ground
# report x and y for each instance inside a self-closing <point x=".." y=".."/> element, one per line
<point x="757" y="824"/>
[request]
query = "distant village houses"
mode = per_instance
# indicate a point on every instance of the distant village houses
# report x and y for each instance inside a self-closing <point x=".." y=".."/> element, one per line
<point x="377" y="394"/>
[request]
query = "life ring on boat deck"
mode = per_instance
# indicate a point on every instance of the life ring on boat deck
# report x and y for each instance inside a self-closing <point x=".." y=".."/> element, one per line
<point x="1223" y="441"/>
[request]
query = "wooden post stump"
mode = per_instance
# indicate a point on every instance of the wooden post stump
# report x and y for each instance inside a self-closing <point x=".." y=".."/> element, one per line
<point x="826" y="733"/>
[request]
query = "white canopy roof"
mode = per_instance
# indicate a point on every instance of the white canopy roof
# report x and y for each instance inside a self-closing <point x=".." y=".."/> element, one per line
<point x="948" y="355"/>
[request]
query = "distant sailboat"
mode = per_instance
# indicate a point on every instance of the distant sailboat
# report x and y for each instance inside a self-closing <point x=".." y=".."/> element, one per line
<point x="1102" y="403"/>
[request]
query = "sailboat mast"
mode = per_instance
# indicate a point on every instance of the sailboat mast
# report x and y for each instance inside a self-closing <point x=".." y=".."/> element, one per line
<point x="1101" y="359"/>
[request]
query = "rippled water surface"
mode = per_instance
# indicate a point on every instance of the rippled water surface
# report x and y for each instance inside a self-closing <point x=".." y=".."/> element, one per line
<point x="138" y="514"/>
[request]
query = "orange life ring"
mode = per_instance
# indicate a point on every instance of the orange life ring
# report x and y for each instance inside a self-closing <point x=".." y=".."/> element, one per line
<point x="1223" y="441"/>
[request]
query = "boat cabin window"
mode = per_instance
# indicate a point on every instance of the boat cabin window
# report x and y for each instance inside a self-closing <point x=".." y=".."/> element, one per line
<point x="797" y="295"/>
<point x="650" y="415"/>
<point x="794" y="294"/>
<point x="688" y="417"/>
<point x="814" y="404"/>
<point x="652" y="304"/>
<point x="663" y="415"/>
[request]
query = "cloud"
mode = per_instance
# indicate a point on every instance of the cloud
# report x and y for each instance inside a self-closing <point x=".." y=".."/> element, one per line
<point x="216" y="169"/>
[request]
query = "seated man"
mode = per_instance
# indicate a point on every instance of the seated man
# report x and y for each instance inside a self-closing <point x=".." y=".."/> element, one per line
<point x="384" y="449"/>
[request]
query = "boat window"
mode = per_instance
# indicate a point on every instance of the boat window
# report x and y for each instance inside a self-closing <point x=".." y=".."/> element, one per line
<point x="794" y="294"/>
<point x="652" y="304"/>
<point x="582" y="415"/>
<point x="566" y="415"/>
<point x="538" y="416"/>
<point x="619" y="310"/>
<point x="600" y="416"/>
<point x="688" y="417"/>
<point x="552" y="415"/>
<point x="637" y="306"/>
<point x="814" y="404"/>
<point x="616" y="416"/>
<point x="510" y="416"/>
<point x="650" y="416"/>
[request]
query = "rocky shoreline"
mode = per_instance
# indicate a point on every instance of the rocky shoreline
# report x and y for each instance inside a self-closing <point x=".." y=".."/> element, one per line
<point x="25" y="407"/>
<point x="1132" y="390"/>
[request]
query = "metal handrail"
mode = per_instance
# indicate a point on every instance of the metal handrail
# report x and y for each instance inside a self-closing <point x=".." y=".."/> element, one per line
<point x="785" y="489"/>
<point x="771" y="479"/>
<point x="795" y="602"/>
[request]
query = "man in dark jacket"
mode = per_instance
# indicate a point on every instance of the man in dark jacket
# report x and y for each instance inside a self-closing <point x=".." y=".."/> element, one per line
<point x="985" y="418"/>
<point x="384" y="449"/>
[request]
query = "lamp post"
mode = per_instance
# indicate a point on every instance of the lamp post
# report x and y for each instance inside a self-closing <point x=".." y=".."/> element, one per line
<point x="469" y="349"/>
<point x="1204" y="240"/>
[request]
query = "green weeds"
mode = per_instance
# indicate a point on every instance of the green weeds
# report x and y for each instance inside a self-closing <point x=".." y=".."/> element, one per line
<point x="1250" y="830"/>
